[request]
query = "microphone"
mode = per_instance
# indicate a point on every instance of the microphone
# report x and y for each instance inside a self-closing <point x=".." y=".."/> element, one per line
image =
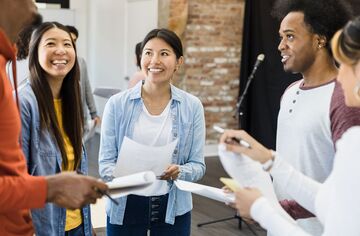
<point x="260" y="58"/>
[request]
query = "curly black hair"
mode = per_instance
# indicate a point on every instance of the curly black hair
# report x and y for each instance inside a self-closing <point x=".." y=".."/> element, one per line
<point x="323" y="17"/>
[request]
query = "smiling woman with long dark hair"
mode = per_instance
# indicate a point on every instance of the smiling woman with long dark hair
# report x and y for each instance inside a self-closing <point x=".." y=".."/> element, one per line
<point x="52" y="121"/>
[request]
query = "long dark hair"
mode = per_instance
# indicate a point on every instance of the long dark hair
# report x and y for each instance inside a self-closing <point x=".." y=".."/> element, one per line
<point x="72" y="113"/>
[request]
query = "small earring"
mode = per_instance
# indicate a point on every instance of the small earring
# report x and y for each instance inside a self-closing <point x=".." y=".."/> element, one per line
<point x="320" y="46"/>
<point x="357" y="91"/>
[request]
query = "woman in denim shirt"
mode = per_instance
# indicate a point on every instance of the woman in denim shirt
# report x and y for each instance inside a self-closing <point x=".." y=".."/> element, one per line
<point x="155" y="113"/>
<point x="51" y="117"/>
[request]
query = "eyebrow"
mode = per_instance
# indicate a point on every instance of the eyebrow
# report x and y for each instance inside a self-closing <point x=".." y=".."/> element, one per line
<point x="48" y="39"/>
<point x="287" y="31"/>
<point x="164" y="49"/>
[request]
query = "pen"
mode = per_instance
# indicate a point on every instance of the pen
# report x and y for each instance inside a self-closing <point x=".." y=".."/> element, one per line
<point x="239" y="141"/>
<point x="100" y="191"/>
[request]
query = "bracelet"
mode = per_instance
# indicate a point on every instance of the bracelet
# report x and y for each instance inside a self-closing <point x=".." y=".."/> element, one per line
<point x="269" y="163"/>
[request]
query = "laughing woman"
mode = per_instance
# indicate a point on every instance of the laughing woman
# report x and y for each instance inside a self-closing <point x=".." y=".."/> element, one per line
<point x="51" y="117"/>
<point x="155" y="113"/>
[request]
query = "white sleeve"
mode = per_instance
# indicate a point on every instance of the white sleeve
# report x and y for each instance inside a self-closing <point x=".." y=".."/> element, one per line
<point x="300" y="187"/>
<point x="343" y="185"/>
<point x="263" y="212"/>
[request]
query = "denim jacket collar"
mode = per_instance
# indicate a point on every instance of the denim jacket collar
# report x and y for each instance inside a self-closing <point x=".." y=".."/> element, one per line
<point x="136" y="92"/>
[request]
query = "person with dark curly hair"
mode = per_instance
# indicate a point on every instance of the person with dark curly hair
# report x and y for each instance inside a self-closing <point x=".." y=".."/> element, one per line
<point x="313" y="114"/>
<point x="334" y="201"/>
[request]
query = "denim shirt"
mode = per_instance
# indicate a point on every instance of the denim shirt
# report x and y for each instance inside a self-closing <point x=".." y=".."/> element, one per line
<point x="43" y="157"/>
<point x="188" y="124"/>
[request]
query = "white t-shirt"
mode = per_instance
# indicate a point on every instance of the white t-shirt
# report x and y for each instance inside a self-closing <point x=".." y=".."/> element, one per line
<point x="154" y="130"/>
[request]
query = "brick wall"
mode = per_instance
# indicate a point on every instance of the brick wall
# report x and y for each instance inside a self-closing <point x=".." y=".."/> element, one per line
<point x="212" y="47"/>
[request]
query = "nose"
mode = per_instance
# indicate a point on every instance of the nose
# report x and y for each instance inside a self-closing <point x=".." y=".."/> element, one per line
<point x="60" y="50"/>
<point x="155" y="59"/>
<point x="282" y="45"/>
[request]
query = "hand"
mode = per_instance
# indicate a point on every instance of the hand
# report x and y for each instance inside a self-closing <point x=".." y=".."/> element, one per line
<point x="73" y="191"/>
<point x="244" y="198"/>
<point x="171" y="173"/>
<point x="97" y="120"/>
<point x="227" y="190"/>
<point x="256" y="151"/>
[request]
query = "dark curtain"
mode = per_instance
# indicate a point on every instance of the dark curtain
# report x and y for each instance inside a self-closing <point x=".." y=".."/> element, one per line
<point x="261" y="105"/>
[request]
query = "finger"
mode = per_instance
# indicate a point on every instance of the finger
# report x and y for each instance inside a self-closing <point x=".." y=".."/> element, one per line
<point x="239" y="149"/>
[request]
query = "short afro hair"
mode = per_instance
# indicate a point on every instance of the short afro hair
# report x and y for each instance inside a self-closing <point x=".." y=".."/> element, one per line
<point x="323" y="17"/>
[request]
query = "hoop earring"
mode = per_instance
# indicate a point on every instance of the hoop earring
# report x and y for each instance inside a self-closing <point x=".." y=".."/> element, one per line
<point x="357" y="91"/>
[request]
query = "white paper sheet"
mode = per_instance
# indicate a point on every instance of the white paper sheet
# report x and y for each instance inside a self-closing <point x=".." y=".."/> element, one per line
<point x="206" y="191"/>
<point x="135" y="157"/>
<point x="131" y="184"/>
<point x="249" y="173"/>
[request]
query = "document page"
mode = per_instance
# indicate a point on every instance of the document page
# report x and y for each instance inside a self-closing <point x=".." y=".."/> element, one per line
<point x="206" y="191"/>
<point x="135" y="157"/>
<point x="131" y="184"/>
<point x="249" y="173"/>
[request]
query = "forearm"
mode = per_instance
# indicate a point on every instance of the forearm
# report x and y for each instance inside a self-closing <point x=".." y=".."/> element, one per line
<point x="276" y="224"/>
<point x="22" y="192"/>
<point x="300" y="187"/>
<point x="192" y="171"/>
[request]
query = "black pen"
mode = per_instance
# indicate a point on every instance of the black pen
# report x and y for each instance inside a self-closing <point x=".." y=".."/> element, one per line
<point x="100" y="191"/>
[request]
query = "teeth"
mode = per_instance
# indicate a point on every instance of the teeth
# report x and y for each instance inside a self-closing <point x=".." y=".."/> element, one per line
<point x="155" y="70"/>
<point x="284" y="58"/>
<point x="59" y="62"/>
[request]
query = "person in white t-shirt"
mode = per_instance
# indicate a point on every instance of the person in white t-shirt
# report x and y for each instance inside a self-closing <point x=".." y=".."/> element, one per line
<point x="335" y="202"/>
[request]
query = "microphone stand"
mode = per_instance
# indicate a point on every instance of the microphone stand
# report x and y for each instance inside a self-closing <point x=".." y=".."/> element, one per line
<point x="238" y="113"/>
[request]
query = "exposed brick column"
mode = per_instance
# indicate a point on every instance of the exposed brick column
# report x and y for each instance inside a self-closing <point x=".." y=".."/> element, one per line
<point x="212" y="45"/>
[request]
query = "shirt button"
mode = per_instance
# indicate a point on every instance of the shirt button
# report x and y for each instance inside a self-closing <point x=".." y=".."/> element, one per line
<point x="294" y="101"/>
<point x="290" y="110"/>
<point x="297" y="92"/>
<point x="175" y="151"/>
<point x="175" y="135"/>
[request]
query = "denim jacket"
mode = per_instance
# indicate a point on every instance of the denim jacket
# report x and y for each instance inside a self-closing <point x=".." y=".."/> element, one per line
<point x="44" y="158"/>
<point x="188" y="124"/>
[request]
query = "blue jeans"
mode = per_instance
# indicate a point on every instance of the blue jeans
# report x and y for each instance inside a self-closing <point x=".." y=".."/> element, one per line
<point x="78" y="231"/>
<point x="148" y="213"/>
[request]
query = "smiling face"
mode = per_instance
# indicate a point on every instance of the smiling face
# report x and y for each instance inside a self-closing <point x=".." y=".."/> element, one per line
<point x="298" y="45"/>
<point x="158" y="61"/>
<point x="56" y="53"/>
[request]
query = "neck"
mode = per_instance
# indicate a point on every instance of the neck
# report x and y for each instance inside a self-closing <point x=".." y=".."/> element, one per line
<point x="156" y="92"/>
<point x="322" y="71"/>
<point x="55" y="86"/>
<point x="155" y="97"/>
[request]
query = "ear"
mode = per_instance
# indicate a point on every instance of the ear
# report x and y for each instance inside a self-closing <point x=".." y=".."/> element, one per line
<point x="322" y="41"/>
<point x="179" y="62"/>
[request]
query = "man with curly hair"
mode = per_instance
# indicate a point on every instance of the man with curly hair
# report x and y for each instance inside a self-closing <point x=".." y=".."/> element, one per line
<point x="312" y="115"/>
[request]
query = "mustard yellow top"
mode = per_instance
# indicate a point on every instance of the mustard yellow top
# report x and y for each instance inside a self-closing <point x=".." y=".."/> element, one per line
<point x="73" y="217"/>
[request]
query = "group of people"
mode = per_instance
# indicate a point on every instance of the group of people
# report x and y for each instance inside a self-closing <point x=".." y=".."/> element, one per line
<point x="314" y="168"/>
<point x="43" y="162"/>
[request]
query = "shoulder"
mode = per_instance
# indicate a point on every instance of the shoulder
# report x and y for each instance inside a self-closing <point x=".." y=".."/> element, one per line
<point x="184" y="97"/>
<point x="26" y="93"/>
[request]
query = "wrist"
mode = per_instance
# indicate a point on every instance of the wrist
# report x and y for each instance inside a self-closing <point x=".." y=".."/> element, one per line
<point x="269" y="163"/>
